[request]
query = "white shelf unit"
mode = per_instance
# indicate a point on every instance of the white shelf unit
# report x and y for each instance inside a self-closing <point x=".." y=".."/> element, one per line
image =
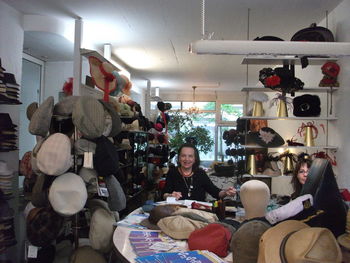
<point x="290" y="60"/>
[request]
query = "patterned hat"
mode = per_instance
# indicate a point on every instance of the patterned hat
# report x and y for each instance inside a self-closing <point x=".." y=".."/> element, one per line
<point x="41" y="119"/>
<point x="54" y="155"/>
<point x="88" y="117"/>
<point x="266" y="137"/>
<point x="68" y="194"/>
<point x="43" y="226"/>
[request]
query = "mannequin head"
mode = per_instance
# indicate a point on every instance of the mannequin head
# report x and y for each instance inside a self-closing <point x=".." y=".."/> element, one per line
<point x="255" y="196"/>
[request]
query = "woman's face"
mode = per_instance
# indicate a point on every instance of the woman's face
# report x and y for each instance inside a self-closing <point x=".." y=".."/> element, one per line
<point x="302" y="173"/>
<point x="187" y="157"/>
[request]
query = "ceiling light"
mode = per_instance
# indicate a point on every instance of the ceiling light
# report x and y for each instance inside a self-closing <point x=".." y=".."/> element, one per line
<point x="194" y="109"/>
<point x="275" y="48"/>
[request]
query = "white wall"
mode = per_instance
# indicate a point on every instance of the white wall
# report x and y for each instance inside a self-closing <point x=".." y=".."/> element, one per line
<point x="11" y="48"/>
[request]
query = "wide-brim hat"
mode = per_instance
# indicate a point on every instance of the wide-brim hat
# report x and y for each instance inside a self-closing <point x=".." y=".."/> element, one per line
<point x="115" y="118"/>
<point x="6" y="122"/>
<point x="10" y="80"/>
<point x="101" y="230"/>
<point x="245" y="241"/>
<point x="68" y="194"/>
<point x="314" y="33"/>
<point x="65" y="107"/>
<point x="54" y="156"/>
<point x="101" y="73"/>
<point x="87" y="254"/>
<point x="88" y="117"/>
<point x="266" y="137"/>
<point x="43" y="226"/>
<point x="179" y="227"/>
<point x="40" y="121"/>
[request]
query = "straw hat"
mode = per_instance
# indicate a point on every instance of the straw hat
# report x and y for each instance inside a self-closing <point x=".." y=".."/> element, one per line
<point x="344" y="239"/>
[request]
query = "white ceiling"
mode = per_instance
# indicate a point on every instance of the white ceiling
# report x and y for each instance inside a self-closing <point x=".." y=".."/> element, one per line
<point x="163" y="29"/>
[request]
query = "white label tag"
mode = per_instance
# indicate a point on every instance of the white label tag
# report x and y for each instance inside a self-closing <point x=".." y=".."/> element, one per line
<point x="103" y="191"/>
<point x="88" y="160"/>
<point x="32" y="251"/>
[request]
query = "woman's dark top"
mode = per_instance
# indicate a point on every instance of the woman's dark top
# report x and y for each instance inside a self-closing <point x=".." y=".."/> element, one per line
<point x="200" y="181"/>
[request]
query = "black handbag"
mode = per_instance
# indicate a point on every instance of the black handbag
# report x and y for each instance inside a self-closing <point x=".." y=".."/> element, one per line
<point x="307" y="106"/>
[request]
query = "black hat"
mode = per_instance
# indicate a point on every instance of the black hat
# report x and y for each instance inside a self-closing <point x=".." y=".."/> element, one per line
<point x="266" y="137"/>
<point x="268" y="38"/>
<point x="6" y="122"/>
<point x="10" y="80"/>
<point x="106" y="158"/>
<point x="1" y="68"/>
<point x="314" y="33"/>
<point x="307" y="106"/>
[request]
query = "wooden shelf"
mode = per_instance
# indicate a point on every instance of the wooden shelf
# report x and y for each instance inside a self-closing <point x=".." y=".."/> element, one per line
<point x="321" y="147"/>
<point x="280" y="60"/>
<point x="307" y="89"/>
<point x="331" y="118"/>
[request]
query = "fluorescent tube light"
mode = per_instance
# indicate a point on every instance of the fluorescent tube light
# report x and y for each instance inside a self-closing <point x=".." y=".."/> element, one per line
<point x="275" y="48"/>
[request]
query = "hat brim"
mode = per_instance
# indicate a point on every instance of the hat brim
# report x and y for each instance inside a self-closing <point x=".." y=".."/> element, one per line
<point x="98" y="76"/>
<point x="254" y="137"/>
<point x="344" y="240"/>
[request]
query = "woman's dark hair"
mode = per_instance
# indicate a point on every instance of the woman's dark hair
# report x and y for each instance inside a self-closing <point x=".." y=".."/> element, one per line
<point x="196" y="155"/>
<point x="295" y="181"/>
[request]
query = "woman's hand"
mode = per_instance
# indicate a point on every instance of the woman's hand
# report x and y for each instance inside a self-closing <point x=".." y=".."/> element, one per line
<point x="231" y="191"/>
<point x="177" y="195"/>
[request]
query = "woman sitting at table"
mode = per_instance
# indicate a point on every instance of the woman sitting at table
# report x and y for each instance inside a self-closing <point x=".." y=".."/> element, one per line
<point x="189" y="181"/>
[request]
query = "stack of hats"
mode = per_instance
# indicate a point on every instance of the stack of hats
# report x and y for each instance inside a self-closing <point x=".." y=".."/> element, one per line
<point x="7" y="232"/>
<point x="8" y="87"/>
<point x="8" y="135"/>
<point x="5" y="178"/>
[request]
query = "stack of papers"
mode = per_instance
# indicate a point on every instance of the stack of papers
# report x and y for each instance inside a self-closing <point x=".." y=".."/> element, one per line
<point x="197" y="256"/>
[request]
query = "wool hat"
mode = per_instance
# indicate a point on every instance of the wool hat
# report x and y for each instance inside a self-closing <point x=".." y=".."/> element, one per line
<point x="87" y="254"/>
<point x="101" y="73"/>
<point x="43" y="226"/>
<point x="294" y="241"/>
<point x="218" y="235"/>
<point x="101" y="230"/>
<point x="82" y="145"/>
<point x="40" y="121"/>
<point x="266" y="137"/>
<point x="245" y="241"/>
<point x="6" y="122"/>
<point x="106" y="157"/>
<point x="88" y="117"/>
<point x="34" y="154"/>
<point x="115" y="118"/>
<point x="68" y="194"/>
<point x="54" y="156"/>
<point x="179" y="227"/>
<point x="255" y="196"/>
<point x="31" y="108"/>
<point x="65" y="107"/>
<point x="116" y="198"/>
<point x="322" y="185"/>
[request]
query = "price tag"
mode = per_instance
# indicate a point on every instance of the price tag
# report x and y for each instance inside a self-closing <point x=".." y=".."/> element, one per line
<point x="88" y="160"/>
<point x="103" y="191"/>
<point x="32" y="251"/>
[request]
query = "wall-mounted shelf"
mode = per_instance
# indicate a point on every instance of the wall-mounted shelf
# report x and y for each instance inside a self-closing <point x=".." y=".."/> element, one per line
<point x="319" y="147"/>
<point x="88" y="52"/>
<point x="330" y="118"/>
<point x="308" y="89"/>
<point x="290" y="60"/>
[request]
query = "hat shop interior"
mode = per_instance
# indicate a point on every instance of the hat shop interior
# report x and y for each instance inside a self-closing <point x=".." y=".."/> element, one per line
<point x="174" y="131"/>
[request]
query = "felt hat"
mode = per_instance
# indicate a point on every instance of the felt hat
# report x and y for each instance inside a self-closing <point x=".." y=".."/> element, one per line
<point x="5" y="211"/>
<point x="210" y="217"/>
<point x="322" y="185"/>
<point x="218" y="235"/>
<point x="25" y="166"/>
<point x="344" y="239"/>
<point x="6" y="122"/>
<point x="40" y="121"/>
<point x="54" y="156"/>
<point x="87" y="254"/>
<point x="294" y="241"/>
<point x="106" y="160"/>
<point x="65" y="107"/>
<point x="82" y="145"/>
<point x="116" y="198"/>
<point x="245" y="241"/>
<point x="115" y="119"/>
<point x="34" y="155"/>
<point x="314" y="33"/>
<point x="266" y="137"/>
<point x="101" y="73"/>
<point x="161" y="211"/>
<point x="40" y="193"/>
<point x="101" y="230"/>
<point x="68" y="194"/>
<point x="307" y="106"/>
<point x="255" y="196"/>
<point x="4" y="168"/>
<point x="43" y="226"/>
<point x="179" y="227"/>
<point x="31" y="108"/>
<point x="88" y="117"/>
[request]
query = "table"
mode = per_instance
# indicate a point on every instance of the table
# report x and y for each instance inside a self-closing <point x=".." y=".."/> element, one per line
<point x="124" y="250"/>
